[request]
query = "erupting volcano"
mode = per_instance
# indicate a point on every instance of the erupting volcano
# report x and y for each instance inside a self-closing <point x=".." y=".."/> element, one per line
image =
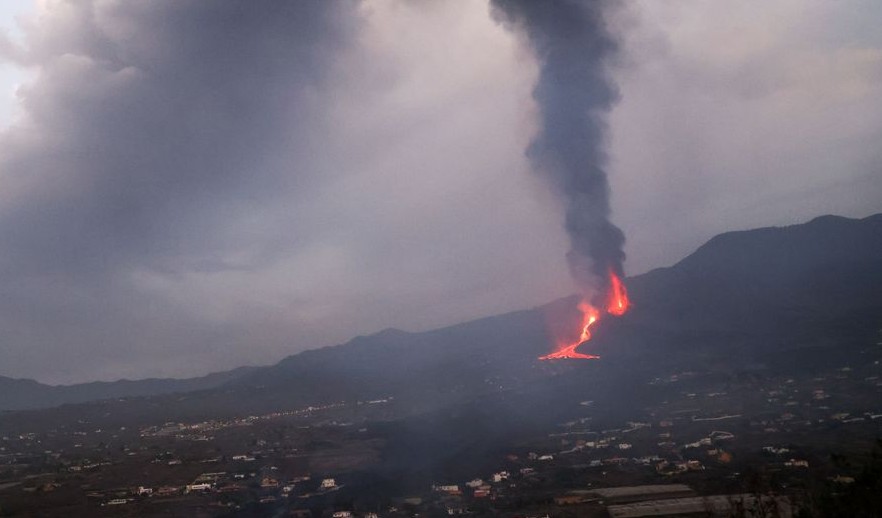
<point x="616" y="305"/>
<point x="574" y="49"/>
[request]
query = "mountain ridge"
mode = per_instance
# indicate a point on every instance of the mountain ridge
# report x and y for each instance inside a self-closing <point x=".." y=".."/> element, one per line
<point x="25" y="393"/>
<point x="773" y="285"/>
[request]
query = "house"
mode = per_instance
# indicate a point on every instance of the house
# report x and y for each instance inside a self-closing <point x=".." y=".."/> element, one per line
<point x="204" y="486"/>
<point x="694" y="465"/>
<point x="502" y="475"/>
<point x="669" y="468"/>
<point x="209" y="477"/>
<point x="475" y="483"/>
<point x="451" y="489"/>
<point x="329" y="483"/>
<point x="775" y="451"/>
<point x="718" y="435"/>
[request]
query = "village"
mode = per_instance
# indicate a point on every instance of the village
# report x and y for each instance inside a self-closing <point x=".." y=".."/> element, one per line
<point x="708" y="440"/>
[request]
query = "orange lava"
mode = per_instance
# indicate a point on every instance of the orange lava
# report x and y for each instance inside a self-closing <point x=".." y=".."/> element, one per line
<point x="589" y="317"/>
<point x="617" y="298"/>
<point x="617" y="304"/>
<point x="569" y="353"/>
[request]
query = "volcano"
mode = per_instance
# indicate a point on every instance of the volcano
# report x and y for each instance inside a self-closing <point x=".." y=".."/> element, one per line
<point x="744" y="297"/>
<point x="616" y="304"/>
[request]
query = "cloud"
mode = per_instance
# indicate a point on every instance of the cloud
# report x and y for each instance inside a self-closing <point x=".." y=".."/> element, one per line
<point x="743" y="114"/>
<point x="195" y="186"/>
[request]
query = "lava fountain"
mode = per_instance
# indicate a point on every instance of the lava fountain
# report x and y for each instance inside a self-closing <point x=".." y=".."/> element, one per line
<point x="617" y="304"/>
<point x="617" y="298"/>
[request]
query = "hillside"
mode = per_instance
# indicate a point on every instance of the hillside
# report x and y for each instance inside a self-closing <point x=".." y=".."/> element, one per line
<point x="743" y="300"/>
<point x="766" y="290"/>
<point x="18" y="394"/>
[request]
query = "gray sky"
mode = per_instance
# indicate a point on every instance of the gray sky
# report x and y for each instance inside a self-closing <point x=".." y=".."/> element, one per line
<point x="188" y="187"/>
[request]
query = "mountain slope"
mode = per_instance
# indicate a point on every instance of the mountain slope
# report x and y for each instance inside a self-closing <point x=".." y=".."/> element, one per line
<point x="737" y="299"/>
<point x="742" y="299"/>
<point x="18" y="394"/>
<point x="831" y="259"/>
<point x="772" y="281"/>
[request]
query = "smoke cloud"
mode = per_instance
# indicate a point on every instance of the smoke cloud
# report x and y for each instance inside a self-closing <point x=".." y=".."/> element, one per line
<point x="574" y="92"/>
<point x="194" y="186"/>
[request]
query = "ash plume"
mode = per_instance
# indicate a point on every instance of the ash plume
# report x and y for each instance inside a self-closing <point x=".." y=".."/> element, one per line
<point x="572" y="45"/>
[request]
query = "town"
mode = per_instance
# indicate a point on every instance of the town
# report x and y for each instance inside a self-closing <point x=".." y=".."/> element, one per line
<point x="751" y="441"/>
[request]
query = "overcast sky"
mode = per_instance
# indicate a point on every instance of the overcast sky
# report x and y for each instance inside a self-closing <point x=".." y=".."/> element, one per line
<point x="187" y="187"/>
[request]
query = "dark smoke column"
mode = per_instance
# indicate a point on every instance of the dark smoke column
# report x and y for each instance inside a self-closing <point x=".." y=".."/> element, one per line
<point x="574" y="93"/>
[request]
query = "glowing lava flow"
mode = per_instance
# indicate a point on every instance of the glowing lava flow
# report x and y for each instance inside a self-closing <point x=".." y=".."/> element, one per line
<point x="589" y="317"/>
<point x="616" y="304"/>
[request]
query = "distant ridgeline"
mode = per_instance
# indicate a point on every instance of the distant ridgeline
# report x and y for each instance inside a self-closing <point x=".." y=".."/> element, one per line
<point x="743" y="299"/>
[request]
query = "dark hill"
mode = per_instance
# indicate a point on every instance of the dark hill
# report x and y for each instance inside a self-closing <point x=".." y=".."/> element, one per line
<point x="742" y="300"/>
<point x="828" y="264"/>
<point x="772" y="286"/>
<point x="768" y="286"/>
<point x="17" y="394"/>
